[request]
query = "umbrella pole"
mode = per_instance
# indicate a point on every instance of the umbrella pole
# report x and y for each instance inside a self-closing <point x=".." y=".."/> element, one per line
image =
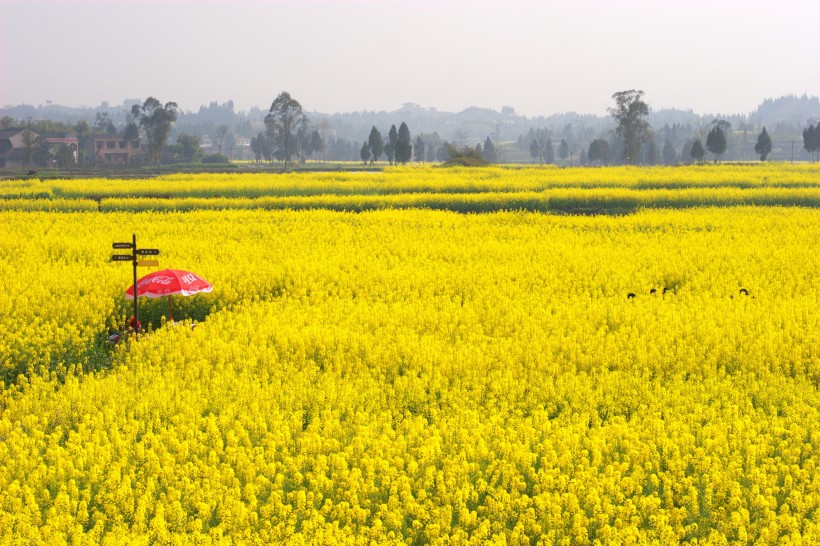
<point x="170" y="309"/>
<point x="136" y="310"/>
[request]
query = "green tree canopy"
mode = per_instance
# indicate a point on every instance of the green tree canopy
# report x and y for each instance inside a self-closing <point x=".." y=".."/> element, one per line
<point x="364" y="153"/>
<point x="811" y="140"/>
<point x="376" y="144"/>
<point x="716" y="142"/>
<point x="563" y="149"/>
<point x="669" y="155"/>
<point x="404" y="149"/>
<point x="549" y="152"/>
<point x="629" y="112"/>
<point x="418" y="150"/>
<point x="652" y="156"/>
<point x="316" y="144"/>
<point x="390" y="145"/>
<point x="189" y="150"/>
<point x="599" y="150"/>
<point x="764" y="145"/>
<point x="285" y="118"/>
<point x="103" y="124"/>
<point x="697" y="151"/>
<point x="489" y="153"/>
<point x="156" y="121"/>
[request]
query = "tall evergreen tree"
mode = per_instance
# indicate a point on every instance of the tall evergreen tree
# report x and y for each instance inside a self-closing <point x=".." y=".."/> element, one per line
<point x="489" y="151"/>
<point x="686" y="153"/>
<point x="652" y="154"/>
<point x="697" y="152"/>
<point x="316" y="144"/>
<point x="404" y="149"/>
<point x="669" y="155"/>
<point x="418" y="150"/>
<point x="563" y="148"/>
<point x="376" y="144"/>
<point x="716" y="142"/>
<point x="599" y="150"/>
<point x="811" y="140"/>
<point x="364" y="153"/>
<point x="549" y="152"/>
<point x="390" y="145"/>
<point x="764" y="145"/>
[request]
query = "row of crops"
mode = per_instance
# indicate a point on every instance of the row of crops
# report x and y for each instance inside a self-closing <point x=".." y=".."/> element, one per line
<point x="408" y="375"/>
<point x="614" y="190"/>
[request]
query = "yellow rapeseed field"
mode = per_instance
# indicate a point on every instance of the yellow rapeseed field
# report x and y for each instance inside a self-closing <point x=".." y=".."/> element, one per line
<point x="408" y="375"/>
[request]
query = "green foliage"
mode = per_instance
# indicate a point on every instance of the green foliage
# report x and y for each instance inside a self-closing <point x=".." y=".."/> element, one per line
<point x="215" y="158"/>
<point x="376" y="144"/>
<point x="64" y="155"/>
<point x="549" y="152"/>
<point x="599" y="150"/>
<point x="811" y="139"/>
<point x="697" y="152"/>
<point x="156" y="121"/>
<point x="652" y="154"/>
<point x="418" y="150"/>
<point x="563" y="149"/>
<point x="489" y="152"/>
<point x="716" y="141"/>
<point x="764" y="145"/>
<point x="392" y="142"/>
<point x="404" y="150"/>
<point x="189" y="150"/>
<point x="464" y="157"/>
<point x="669" y="155"/>
<point x="316" y="144"/>
<point x="284" y="119"/>
<point x="103" y="124"/>
<point x="364" y="153"/>
<point x="629" y="113"/>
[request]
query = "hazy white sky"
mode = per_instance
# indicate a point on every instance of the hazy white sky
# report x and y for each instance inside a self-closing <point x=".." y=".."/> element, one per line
<point x="712" y="56"/>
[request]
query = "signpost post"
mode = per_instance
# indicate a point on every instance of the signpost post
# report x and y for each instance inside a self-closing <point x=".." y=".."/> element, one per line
<point x="135" y="252"/>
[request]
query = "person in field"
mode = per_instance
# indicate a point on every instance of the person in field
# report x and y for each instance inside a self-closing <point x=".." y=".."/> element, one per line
<point x="135" y="325"/>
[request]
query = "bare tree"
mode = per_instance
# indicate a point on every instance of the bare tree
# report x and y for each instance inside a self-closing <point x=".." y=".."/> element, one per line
<point x="461" y="135"/>
<point x="324" y="128"/>
<point x="29" y="140"/>
<point x="221" y="131"/>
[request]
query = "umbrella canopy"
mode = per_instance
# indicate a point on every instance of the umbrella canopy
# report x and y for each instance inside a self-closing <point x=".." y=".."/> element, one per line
<point x="168" y="282"/>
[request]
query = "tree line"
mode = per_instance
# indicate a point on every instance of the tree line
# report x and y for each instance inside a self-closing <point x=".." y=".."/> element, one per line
<point x="290" y="137"/>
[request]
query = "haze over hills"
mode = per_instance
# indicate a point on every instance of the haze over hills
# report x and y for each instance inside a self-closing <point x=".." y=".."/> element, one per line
<point x="472" y="124"/>
<point x="785" y="119"/>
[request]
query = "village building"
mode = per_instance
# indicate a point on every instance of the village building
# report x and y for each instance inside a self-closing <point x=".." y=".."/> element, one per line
<point x="102" y="149"/>
<point x="13" y="147"/>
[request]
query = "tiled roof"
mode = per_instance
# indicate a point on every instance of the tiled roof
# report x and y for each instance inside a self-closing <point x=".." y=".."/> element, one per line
<point x="8" y="133"/>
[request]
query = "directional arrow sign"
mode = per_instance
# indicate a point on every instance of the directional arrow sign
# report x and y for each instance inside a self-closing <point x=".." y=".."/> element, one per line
<point x="148" y="263"/>
<point x="122" y="245"/>
<point x="148" y="251"/>
<point x="122" y="258"/>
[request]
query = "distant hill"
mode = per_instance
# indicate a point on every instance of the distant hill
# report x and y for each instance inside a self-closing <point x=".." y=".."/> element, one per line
<point x="791" y="110"/>
<point x="469" y="126"/>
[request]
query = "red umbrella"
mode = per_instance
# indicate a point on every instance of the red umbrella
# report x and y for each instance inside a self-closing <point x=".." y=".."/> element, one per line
<point x="168" y="282"/>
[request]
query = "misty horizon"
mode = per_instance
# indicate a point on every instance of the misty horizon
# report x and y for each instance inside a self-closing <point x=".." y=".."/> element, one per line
<point x="358" y="55"/>
<point x="128" y="102"/>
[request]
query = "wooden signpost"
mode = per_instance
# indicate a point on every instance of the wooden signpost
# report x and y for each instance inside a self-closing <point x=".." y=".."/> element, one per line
<point x="135" y="252"/>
